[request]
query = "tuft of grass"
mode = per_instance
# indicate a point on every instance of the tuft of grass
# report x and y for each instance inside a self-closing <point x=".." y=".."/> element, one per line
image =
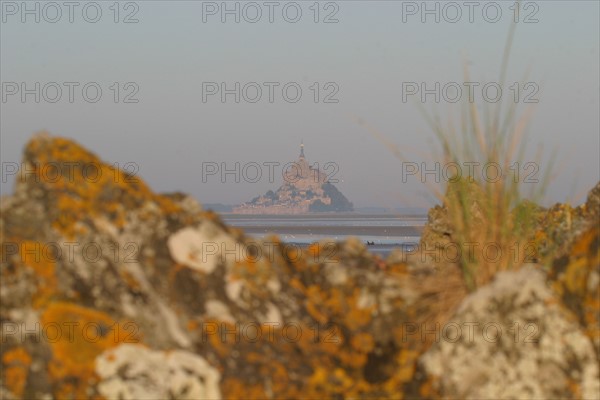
<point x="493" y="220"/>
<point x="493" y="223"/>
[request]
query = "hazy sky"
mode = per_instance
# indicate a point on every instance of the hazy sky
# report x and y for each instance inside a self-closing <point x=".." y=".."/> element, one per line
<point x="363" y="60"/>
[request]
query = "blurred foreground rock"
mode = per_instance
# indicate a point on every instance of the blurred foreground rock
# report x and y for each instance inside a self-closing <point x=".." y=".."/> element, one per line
<point x="109" y="290"/>
<point x="512" y="339"/>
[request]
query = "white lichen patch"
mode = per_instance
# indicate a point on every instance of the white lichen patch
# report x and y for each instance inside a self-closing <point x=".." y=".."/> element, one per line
<point x="218" y="310"/>
<point x="233" y="288"/>
<point x="511" y="339"/>
<point x="366" y="299"/>
<point x="190" y="205"/>
<point x="127" y="305"/>
<point x="172" y="325"/>
<point x="274" y="286"/>
<point x="390" y="292"/>
<point x="136" y="372"/>
<point x="336" y="274"/>
<point x="272" y="316"/>
<point x="203" y="248"/>
<point x="103" y="225"/>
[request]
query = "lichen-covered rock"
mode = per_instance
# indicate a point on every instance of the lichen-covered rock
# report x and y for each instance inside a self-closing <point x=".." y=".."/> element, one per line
<point x="86" y="252"/>
<point x="512" y="339"/>
<point x="562" y="224"/>
<point x="592" y="205"/>
<point x="439" y="226"/>
<point x="576" y="279"/>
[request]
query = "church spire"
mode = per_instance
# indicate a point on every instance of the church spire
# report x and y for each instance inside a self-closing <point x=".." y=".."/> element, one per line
<point x="301" y="149"/>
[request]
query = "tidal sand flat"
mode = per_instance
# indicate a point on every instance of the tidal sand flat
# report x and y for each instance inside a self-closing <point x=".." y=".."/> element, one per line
<point x="382" y="232"/>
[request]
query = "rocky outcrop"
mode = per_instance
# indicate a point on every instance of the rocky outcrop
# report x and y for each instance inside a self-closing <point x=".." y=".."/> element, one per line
<point x="575" y="278"/>
<point x="109" y="290"/>
<point x="592" y="205"/>
<point x="529" y="333"/>
<point x="440" y="230"/>
<point x="512" y="339"/>
<point x="562" y="224"/>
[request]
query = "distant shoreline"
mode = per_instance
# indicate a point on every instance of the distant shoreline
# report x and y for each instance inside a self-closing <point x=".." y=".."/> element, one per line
<point x="325" y="214"/>
<point x="388" y="231"/>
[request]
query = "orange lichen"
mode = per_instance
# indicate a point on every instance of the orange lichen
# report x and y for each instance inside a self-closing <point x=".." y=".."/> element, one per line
<point x="573" y="284"/>
<point x="15" y="369"/>
<point x="427" y="389"/>
<point x="255" y="273"/>
<point x="353" y="359"/>
<point x="84" y="334"/>
<point x="332" y="383"/>
<point x="407" y="360"/>
<point x="192" y="325"/>
<point x="397" y="269"/>
<point x="574" y="388"/>
<point x="233" y="388"/>
<point x="362" y="342"/>
<point x="314" y="250"/>
<point x="324" y="305"/>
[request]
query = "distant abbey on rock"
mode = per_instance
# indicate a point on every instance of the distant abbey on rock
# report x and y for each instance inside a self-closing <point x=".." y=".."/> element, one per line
<point x="305" y="190"/>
